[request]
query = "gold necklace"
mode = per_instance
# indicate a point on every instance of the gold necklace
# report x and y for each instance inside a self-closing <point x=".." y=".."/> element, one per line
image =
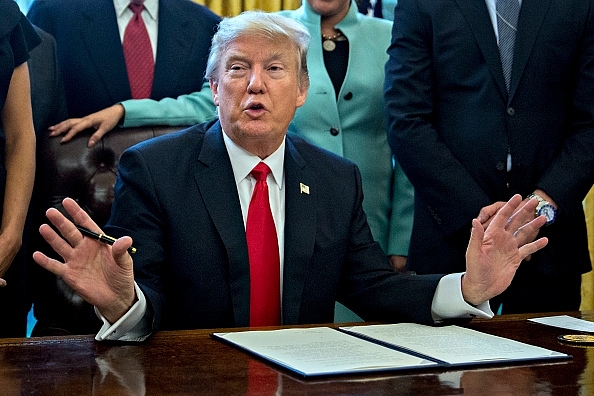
<point x="329" y="42"/>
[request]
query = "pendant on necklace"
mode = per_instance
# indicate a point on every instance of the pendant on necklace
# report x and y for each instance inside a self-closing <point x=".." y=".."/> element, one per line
<point x="328" y="45"/>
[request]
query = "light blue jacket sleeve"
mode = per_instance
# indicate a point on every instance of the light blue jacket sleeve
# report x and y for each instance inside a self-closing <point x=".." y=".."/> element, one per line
<point x="188" y="109"/>
<point x="401" y="220"/>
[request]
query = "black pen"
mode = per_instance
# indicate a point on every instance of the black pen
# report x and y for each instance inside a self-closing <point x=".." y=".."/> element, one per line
<point x="102" y="238"/>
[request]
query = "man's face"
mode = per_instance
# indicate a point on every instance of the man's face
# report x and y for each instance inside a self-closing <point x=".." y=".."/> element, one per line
<point x="257" y="91"/>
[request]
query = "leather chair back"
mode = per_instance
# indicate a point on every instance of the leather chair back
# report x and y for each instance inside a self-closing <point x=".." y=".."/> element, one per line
<point x="88" y="176"/>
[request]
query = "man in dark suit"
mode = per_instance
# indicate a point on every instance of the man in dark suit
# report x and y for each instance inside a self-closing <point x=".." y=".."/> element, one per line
<point x="47" y="89"/>
<point x="185" y="200"/>
<point x="89" y="34"/>
<point x="466" y="140"/>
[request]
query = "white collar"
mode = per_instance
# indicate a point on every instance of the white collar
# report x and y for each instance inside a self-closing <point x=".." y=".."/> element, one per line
<point x="243" y="162"/>
<point x="151" y="6"/>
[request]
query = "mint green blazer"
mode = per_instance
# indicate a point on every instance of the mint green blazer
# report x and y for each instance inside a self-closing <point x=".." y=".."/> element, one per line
<point x="359" y="117"/>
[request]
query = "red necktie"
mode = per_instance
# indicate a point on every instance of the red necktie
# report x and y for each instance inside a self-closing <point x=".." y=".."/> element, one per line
<point x="138" y="53"/>
<point x="263" y="254"/>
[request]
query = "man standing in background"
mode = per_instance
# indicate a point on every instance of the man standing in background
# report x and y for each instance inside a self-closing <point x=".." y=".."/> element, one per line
<point x="487" y="99"/>
<point x="92" y="48"/>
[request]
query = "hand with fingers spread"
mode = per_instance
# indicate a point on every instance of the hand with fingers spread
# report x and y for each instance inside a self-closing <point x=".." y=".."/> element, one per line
<point x="101" y="274"/>
<point x="494" y="253"/>
<point x="102" y="121"/>
<point x="487" y="213"/>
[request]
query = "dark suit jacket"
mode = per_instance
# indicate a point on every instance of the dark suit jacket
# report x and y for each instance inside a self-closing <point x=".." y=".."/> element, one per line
<point x="48" y="102"/>
<point x="47" y="89"/>
<point x="452" y="123"/>
<point x="176" y="196"/>
<point x="91" y="56"/>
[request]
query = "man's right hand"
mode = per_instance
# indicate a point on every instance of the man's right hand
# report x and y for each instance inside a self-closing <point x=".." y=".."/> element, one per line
<point x="101" y="274"/>
<point x="102" y="121"/>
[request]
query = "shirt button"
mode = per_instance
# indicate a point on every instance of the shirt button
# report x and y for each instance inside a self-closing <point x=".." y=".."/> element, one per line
<point x="511" y="111"/>
<point x="333" y="131"/>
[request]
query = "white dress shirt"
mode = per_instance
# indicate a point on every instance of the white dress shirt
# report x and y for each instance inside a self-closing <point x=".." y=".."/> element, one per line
<point x="135" y="324"/>
<point x="149" y="16"/>
<point x="242" y="163"/>
<point x="493" y="15"/>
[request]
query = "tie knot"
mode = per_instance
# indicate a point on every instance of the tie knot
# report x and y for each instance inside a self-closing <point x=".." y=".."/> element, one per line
<point x="260" y="171"/>
<point x="136" y="7"/>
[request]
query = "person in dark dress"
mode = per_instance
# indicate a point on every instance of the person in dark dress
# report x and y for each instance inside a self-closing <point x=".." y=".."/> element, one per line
<point x="17" y="163"/>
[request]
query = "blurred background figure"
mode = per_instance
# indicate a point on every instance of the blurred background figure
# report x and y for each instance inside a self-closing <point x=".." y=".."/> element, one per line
<point x="17" y="164"/>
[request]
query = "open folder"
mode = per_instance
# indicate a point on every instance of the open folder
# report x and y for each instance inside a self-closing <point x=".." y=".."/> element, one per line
<point x="316" y="351"/>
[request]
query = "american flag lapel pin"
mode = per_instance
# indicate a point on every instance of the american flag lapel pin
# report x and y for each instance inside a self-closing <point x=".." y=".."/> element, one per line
<point x="303" y="188"/>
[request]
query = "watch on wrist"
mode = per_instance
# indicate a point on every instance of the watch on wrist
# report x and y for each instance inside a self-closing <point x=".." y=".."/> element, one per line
<point x="544" y="208"/>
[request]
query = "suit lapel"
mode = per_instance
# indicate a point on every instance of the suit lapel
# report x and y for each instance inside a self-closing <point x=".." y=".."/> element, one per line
<point x="301" y="188"/>
<point x="174" y="41"/>
<point x="216" y="183"/>
<point x="477" y="17"/>
<point x="528" y="28"/>
<point x="99" y="31"/>
<point x="215" y="180"/>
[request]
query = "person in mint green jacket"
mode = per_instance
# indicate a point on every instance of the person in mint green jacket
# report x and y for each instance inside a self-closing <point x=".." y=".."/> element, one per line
<point x="343" y="113"/>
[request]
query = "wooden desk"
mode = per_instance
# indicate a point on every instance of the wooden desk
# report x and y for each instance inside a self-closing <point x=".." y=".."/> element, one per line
<point x="191" y="362"/>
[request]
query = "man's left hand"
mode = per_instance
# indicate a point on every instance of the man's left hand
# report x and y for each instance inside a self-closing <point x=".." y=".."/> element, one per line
<point x="495" y="253"/>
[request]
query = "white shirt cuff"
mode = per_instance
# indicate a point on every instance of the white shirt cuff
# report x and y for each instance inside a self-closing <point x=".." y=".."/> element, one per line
<point x="448" y="302"/>
<point x="132" y="326"/>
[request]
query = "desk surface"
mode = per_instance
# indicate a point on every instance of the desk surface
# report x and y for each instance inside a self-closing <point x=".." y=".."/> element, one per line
<point x="191" y="362"/>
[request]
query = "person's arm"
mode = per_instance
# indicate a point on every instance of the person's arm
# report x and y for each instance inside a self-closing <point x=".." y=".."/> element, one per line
<point x="568" y="177"/>
<point x="134" y="325"/>
<point x="401" y="219"/>
<point x="20" y="165"/>
<point x="184" y="110"/>
<point x="449" y="303"/>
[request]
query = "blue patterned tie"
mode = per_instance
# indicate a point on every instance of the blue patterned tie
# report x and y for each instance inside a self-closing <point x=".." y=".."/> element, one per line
<point x="507" y="23"/>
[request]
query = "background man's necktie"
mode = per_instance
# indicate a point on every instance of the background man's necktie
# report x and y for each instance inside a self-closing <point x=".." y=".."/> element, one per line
<point x="263" y="254"/>
<point x="507" y="23"/>
<point x="138" y="53"/>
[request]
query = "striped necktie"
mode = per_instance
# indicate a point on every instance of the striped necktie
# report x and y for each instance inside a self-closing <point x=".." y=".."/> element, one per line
<point x="507" y="23"/>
